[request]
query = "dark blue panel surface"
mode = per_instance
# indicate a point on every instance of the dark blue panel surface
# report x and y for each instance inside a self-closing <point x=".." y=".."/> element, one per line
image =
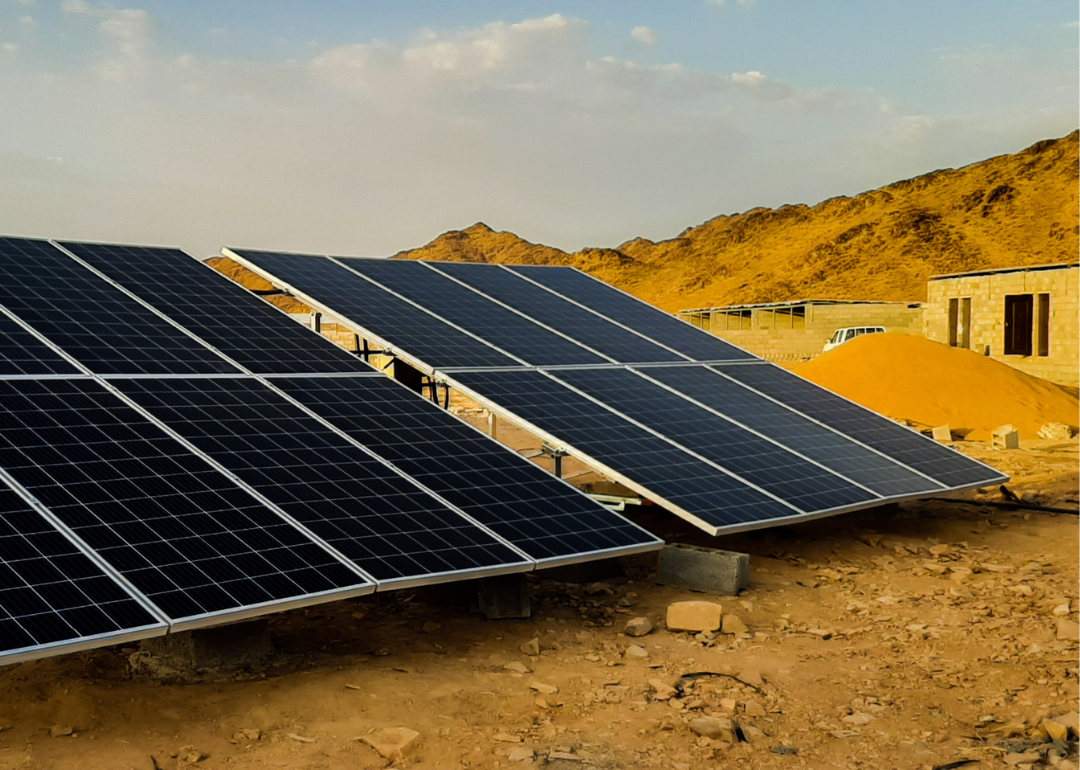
<point x="659" y="466"/>
<point x="23" y="353"/>
<point x="250" y="331"/>
<point x="633" y="313"/>
<point x="588" y="328"/>
<point x="93" y="321"/>
<point x="539" y="514"/>
<point x="419" y="334"/>
<point x="946" y="465"/>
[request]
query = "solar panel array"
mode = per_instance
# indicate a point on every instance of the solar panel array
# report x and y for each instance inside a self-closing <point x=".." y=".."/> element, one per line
<point x="719" y="436"/>
<point x="155" y="477"/>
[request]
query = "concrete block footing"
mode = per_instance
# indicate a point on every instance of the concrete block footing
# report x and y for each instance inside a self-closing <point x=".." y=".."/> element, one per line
<point x="704" y="569"/>
<point x="504" y="596"/>
<point x="222" y="648"/>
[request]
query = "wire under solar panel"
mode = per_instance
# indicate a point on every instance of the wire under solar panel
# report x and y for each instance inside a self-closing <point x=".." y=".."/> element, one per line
<point x="391" y="318"/>
<point x="181" y="532"/>
<point x="250" y="331"/>
<point x="93" y="321"/>
<point x="545" y="517"/>
<point x="461" y="306"/>
<point x="23" y="353"/>
<point x="664" y="469"/>
<point x="903" y="445"/>
<point x="761" y="462"/>
<point x="794" y="430"/>
<point x="366" y="511"/>
<point x="633" y="313"/>
<point x="587" y="328"/>
<point x="52" y="594"/>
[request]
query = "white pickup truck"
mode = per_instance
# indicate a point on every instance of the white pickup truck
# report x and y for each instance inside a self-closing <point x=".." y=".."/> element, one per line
<point x="840" y="336"/>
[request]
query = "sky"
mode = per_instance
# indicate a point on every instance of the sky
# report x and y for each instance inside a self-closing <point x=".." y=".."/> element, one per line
<point x="365" y="127"/>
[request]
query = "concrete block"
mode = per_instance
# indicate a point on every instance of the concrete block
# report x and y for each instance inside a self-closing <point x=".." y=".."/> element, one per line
<point x="222" y="648"/>
<point x="703" y="569"/>
<point x="504" y="596"/>
<point x="1005" y="437"/>
<point x="942" y="433"/>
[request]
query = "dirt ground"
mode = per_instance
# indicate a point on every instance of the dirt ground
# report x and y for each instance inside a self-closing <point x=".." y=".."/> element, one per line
<point x="916" y="636"/>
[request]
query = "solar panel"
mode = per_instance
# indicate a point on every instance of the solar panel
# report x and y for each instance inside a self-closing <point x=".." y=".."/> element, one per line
<point x="178" y="530"/>
<point x="806" y="485"/>
<point x="399" y="323"/>
<point x="543" y="516"/>
<point x="781" y="423"/>
<point x="21" y="353"/>
<point x="248" y="330"/>
<point x="374" y="516"/>
<point x="692" y="487"/>
<point x="906" y="446"/>
<point x="52" y="596"/>
<point x="92" y="320"/>
<point x="632" y="313"/>
<point x="588" y="328"/>
<point x="473" y="312"/>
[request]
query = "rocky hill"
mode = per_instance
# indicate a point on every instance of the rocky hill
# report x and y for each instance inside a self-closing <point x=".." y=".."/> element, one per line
<point x="1018" y="209"/>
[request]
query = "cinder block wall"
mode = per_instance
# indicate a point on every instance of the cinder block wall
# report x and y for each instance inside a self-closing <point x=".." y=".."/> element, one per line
<point x="770" y="334"/>
<point x="987" y="293"/>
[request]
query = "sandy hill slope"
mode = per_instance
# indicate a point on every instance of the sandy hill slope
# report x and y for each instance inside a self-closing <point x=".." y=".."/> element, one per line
<point x="1018" y="209"/>
<point x="927" y="383"/>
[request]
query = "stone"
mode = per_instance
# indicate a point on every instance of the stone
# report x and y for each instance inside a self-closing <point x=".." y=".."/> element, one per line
<point x="531" y="647"/>
<point x="393" y="743"/>
<point x="1055" y="730"/>
<point x="60" y="731"/>
<point x="507" y="738"/>
<point x="751" y="676"/>
<point x="1061" y="610"/>
<point x="544" y="689"/>
<point x="732" y="624"/>
<point x="703" y="569"/>
<point x="1022" y="760"/>
<point x="517" y="667"/>
<point x="638" y="627"/>
<point x="662" y="690"/>
<point x="520" y="754"/>
<point x="942" y="433"/>
<point x="752" y="734"/>
<point x="857" y="719"/>
<point x="1068" y="630"/>
<point x="753" y="709"/>
<point x="1055" y="431"/>
<point x="694" y="616"/>
<point x="718" y="728"/>
<point x="636" y="651"/>
<point x="430" y="627"/>
<point x="1070" y="721"/>
<point x="299" y="738"/>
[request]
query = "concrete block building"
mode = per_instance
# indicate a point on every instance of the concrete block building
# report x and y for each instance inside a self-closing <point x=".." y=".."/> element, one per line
<point x="797" y="331"/>
<point x="1027" y="317"/>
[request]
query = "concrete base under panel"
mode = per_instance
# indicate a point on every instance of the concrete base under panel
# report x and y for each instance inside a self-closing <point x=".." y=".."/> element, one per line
<point x="583" y="572"/>
<point x="704" y="569"/>
<point x="208" y="649"/>
<point x="504" y="596"/>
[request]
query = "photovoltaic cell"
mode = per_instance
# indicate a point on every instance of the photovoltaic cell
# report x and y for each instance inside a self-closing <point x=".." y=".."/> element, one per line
<point x="401" y="324"/>
<point x="23" y="353"/>
<point x="946" y="465"/>
<point x="50" y="592"/>
<point x="366" y="511"/>
<point x="90" y="319"/>
<point x="633" y="313"/>
<point x="543" y="516"/>
<point x="181" y="532"/>
<point x="461" y="306"/>
<point x="805" y="485"/>
<point x="250" y="331"/>
<point x="587" y="328"/>
<point x="794" y="430"/>
<point x="663" y="468"/>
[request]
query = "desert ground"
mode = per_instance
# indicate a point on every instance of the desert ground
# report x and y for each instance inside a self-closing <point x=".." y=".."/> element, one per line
<point x="928" y="635"/>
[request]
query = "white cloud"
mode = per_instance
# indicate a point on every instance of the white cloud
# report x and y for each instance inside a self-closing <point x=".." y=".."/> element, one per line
<point x="645" y="35"/>
<point x="10" y="48"/>
<point x="128" y="35"/>
<point x="27" y="22"/>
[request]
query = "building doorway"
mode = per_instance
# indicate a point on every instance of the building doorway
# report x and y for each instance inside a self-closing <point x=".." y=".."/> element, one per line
<point x="1019" y="309"/>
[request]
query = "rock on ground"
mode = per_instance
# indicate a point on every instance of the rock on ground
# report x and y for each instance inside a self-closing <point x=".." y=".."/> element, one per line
<point x="694" y="616"/>
<point x="393" y="742"/>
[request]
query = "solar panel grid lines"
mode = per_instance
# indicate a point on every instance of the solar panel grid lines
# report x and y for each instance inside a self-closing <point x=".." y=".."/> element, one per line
<point x="883" y="473"/>
<point x="627" y="310"/>
<point x="473" y="312"/>
<point x="619" y="448"/>
<point x="24" y="354"/>
<point x="218" y="311"/>
<point x="904" y="445"/>
<point x="612" y="342"/>
<point x="545" y="517"/>
<point x="418" y="336"/>
<point x="186" y="537"/>
<point x="90" y="318"/>
<point x="363" y="508"/>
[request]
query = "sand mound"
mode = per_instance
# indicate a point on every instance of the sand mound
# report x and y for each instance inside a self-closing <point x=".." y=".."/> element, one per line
<point x="927" y="383"/>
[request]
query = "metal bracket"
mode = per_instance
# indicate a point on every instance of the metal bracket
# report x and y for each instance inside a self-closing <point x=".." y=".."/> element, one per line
<point x="557" y="455"/>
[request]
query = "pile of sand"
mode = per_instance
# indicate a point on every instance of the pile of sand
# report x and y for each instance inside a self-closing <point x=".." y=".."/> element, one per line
<point x="928" y="384"/>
